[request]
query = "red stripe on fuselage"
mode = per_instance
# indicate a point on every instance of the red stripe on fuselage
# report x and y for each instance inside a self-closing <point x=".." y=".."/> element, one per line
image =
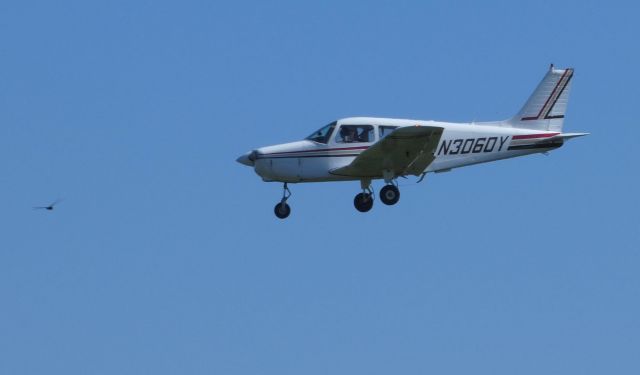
<point x="530" y="136"/>
<point x="319" y="150"/>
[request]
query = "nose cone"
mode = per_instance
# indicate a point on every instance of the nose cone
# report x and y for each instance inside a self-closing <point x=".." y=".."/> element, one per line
<point x="247" y="159"/>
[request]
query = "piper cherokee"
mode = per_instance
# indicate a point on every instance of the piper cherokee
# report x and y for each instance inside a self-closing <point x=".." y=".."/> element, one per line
<point x="367" y="148"/>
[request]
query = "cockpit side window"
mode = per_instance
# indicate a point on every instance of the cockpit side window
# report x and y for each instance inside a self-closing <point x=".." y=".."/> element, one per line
<point x="323" y="134"/>
<point x="355" y="134"/>
<point x="385" y="130"/>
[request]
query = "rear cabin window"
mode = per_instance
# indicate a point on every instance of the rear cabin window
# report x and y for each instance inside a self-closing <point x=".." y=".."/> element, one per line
<point x="355" y="134"/>
<point x="385" y="130"/>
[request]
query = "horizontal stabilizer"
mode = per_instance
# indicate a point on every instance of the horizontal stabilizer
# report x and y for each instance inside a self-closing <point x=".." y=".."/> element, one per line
<point x="565" y="136"/>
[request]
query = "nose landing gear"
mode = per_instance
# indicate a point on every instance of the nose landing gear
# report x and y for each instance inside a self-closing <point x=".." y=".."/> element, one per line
<point x="282" y="209"/>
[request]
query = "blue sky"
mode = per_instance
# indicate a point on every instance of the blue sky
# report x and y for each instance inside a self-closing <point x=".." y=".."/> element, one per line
<point x="165" y="256"/>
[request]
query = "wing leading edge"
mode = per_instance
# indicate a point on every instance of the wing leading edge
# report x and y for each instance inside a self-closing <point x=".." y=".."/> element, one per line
<point x="406" y="150"/>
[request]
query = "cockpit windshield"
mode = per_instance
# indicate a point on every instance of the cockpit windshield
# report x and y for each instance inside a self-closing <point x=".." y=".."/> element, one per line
<point x="323" y="134"/>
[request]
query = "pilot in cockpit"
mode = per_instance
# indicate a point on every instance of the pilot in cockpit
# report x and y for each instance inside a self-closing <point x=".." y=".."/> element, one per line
<point x="355" y="134"/>
<point x="349" y="134"/>
<point x="364" y="135"/>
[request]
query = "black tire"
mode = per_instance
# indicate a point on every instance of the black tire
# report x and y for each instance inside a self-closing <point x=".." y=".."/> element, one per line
<point x="389" y="195"/>
<point x="363" y="202"/>
<point x="281" y="210"/>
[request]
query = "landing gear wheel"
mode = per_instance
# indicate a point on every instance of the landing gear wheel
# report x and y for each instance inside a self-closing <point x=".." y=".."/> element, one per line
<point x="282" y="210"/>
<point x="363" y="202"/>
<point x="389" y="195"/>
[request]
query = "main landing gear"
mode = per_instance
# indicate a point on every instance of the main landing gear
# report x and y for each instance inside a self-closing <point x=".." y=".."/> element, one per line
<point x="282" y="209"/>
<point x="364" y="201"/>
<point x="389" y="194"/>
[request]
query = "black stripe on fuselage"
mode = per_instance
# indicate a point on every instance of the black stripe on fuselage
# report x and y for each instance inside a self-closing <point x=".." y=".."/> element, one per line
<point x="535" y="146"/>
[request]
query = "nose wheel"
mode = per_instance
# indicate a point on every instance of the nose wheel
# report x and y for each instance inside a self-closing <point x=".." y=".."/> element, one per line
<point x="390" y="195"/>
<point x="282" y="209"/>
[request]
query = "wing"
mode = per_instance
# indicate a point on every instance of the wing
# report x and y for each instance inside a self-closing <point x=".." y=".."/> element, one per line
<point x="406" y="150"/>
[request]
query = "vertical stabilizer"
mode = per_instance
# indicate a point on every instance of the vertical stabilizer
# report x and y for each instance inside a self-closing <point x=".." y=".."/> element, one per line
<point x="546" y="107"/>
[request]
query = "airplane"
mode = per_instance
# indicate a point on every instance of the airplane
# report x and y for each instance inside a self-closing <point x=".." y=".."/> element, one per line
<point x="368" y="148"/>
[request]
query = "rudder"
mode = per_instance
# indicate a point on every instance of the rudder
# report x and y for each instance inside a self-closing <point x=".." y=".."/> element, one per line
<point x="546" y="107"/>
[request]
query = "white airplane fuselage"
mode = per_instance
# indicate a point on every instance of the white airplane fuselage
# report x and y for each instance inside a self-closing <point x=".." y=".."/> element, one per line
<point x="369" y="148"/>
<point x="461" y="144"/>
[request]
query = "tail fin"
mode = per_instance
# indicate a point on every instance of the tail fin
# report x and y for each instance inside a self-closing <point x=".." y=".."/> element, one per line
<point x="546" y="106"/>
